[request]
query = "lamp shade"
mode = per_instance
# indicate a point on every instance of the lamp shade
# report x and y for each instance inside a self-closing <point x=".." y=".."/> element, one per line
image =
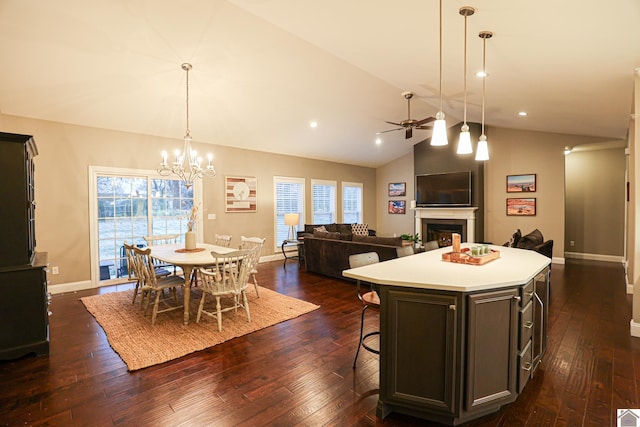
<point x="439" y="136"/>
<point x="482" y="151"/>
<point x="464" y="143"/>
<point x="291" y="219"/>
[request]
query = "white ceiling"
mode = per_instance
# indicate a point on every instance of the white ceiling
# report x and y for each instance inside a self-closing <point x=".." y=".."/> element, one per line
<point x="263" y="69"/>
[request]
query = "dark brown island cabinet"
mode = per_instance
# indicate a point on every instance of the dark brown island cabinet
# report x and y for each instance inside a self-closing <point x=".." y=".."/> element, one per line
<point x="458" y="342"/>
<point x="469" y="353"/>
<point x="24" y="306"/>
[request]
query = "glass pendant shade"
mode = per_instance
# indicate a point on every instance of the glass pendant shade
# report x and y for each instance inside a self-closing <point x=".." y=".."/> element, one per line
<point x="482" y="151"/>
<point x="439" y="136"/>
<point x="464" y="142"/>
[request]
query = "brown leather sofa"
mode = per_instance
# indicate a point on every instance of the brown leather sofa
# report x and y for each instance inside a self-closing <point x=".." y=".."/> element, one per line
<point x="533" y="241"/>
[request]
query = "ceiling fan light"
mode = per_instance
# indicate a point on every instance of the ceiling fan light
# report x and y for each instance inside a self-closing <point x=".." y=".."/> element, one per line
<point x="464" y="142"/>
<point x="439" y="136"/>
<point x="482" y="151"/>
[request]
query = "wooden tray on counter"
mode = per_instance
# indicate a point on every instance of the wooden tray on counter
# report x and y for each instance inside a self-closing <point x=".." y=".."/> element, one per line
<point x="465" y="257"/>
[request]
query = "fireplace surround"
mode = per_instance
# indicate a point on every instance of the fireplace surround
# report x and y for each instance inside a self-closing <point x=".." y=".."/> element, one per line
<point x="439" y="223"/>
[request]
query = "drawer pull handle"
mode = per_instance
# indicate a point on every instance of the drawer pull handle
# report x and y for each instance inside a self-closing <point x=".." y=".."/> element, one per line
<point x="528" y="324"/>
<point x="452" y="307"/>
<point x="526" y="366"/>
<point x="529" y="293"/>
<point x="517" y="298"/>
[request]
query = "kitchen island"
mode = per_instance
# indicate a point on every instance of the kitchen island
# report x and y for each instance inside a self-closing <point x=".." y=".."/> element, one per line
<point x="458" y="341"/>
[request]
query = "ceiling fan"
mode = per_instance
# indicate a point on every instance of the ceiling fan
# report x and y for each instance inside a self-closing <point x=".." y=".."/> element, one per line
<point x="409" y="124"/>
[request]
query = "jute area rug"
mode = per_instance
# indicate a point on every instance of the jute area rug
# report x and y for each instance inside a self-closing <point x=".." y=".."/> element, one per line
<point x="140" y="345"/>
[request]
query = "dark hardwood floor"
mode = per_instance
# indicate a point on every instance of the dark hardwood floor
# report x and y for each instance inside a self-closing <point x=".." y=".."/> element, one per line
<point x="299" y="372"/>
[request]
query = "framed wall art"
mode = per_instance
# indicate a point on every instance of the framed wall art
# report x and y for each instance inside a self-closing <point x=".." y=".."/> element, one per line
<point x="521" y="183"/>
<point x="241" y="193"/>
<point x="397" y="189"/>
<point x="525" y="206"/>
<point x="397" y="206"/>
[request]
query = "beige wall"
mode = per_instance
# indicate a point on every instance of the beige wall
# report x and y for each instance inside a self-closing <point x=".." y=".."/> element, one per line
<point x="399" y="170"/>
<point x="595" y="200"/>
<point x="633" y="233"/>
<point x="515" y="152"/>
<point x="66" y="152"/>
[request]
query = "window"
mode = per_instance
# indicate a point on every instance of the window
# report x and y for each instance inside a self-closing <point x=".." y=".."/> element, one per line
<point x="289" y="198"/>
<point x="351" y="203"/>
<point x="324" y="201"/>
<point x="128" y="205"/>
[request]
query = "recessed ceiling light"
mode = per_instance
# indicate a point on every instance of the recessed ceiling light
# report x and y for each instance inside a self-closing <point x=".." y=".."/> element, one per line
<point x="378" y="141"/>
<point x="313" y="124"/>
<point x="522" y="113"/>
<point x="481" y="74"/>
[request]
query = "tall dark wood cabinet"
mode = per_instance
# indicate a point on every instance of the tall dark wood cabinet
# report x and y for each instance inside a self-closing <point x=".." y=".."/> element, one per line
<point x="24" y="324"/>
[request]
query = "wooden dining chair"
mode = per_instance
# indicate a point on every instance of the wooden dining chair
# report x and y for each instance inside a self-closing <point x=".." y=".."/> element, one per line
<point x="162" y="239"/>
<point x="227" y="278"/>
<point x="153" y="286"/>
<point x="251" y="243"/>
<point x="132" y="269"/>
<point x="369" y="299"/>
<point x="223" y="240"/>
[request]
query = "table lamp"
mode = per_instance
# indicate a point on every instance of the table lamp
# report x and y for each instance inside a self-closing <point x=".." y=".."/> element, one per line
<point x="291" y="219"/>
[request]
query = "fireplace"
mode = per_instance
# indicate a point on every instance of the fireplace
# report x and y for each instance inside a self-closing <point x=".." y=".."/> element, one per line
<point x="441" y="230"/>
<point x="439" y="223"/>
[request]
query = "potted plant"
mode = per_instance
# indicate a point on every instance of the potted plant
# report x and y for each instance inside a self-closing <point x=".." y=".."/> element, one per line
<point x="410" y="239"/>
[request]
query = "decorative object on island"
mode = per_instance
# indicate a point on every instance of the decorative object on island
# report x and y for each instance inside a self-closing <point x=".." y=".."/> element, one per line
<point x="397" y="206"/>
<point x="521" y="206"/>
<point x="482" y="151"/>
<point x="292" y="220"/>
<point x="439" y="136"/>
<point x="187" y="165"/>
<point x="397" y="189"/>
<point x="241" y="194"/>
<point x="464" y="142"/>
<point x="190" y="235"/>
<point x="521" y="183"/>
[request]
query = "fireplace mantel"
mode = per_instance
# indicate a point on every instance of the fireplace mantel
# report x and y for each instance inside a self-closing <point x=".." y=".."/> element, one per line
<point x="468" y="214"/>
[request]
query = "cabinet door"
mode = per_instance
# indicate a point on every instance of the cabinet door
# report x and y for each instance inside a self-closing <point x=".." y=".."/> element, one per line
<point x="492" y="349"/>
<point x="418" y="332"/>
<point x="540" y="316"/>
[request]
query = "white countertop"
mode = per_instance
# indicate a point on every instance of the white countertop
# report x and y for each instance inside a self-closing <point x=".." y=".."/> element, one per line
<point x="427" y="270"/>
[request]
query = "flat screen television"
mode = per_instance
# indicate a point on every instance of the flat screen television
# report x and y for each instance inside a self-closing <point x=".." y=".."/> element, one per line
<point x="443" y="189"/>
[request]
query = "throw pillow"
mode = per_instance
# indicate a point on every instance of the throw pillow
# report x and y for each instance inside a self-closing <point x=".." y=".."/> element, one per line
<point x="531" y="240"/>
<point x="513" y="241"/>
<point x="322" y="229"/>
<point x="360" y="229"/>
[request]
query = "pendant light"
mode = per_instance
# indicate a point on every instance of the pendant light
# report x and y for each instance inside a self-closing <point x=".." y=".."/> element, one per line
<point x="482" y="152"/>
<point x="464" y="141"/>
<point x="439" y="136"/>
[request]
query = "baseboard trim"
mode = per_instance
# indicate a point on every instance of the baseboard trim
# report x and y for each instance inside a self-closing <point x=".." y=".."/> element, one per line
<point x="594" y="257"/>
<point x="70" y="287"/>
<point x="634" y="328"/>
<point x="557" y="260"/>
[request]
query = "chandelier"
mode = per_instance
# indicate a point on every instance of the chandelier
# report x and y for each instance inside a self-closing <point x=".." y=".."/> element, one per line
<point x="187" y="165"/>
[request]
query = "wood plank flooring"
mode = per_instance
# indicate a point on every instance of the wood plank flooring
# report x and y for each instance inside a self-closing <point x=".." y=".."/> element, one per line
<point x="299" y="372"/>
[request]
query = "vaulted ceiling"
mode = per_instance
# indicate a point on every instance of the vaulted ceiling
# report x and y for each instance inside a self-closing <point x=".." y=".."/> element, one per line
<point x="264" y="69"/>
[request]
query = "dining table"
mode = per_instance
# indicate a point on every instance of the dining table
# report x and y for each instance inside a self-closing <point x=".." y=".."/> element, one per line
<point x="187" y="260"/>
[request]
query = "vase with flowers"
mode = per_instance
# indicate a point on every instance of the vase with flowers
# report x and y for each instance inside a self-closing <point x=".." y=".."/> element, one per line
<point x="190" y="235"/>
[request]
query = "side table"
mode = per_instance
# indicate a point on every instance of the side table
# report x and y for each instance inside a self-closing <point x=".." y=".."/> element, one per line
<point x="286" y="243"/>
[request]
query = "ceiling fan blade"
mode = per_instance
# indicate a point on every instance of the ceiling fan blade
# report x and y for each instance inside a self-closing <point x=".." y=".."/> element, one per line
<point x="425" y="120"/>
<point x="392" y="123"/>
<point x="390" y="130"/>
<point x="408" y="133"/>
<point x="424" y="127"/>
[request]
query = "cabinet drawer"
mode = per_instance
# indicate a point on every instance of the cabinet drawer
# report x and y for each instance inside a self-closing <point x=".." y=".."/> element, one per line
<point x="526" y="325"/>
<point x="525" y="359"/>
<point x="526" y="293"/>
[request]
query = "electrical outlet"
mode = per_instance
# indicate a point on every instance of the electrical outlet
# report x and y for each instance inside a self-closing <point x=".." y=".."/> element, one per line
<point x="572" y="243"/>
<point x="211" y="216"/>
<point x="54" y="270"/>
